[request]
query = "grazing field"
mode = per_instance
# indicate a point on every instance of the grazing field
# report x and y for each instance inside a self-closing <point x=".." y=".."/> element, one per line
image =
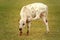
<point x="9" y="16"/>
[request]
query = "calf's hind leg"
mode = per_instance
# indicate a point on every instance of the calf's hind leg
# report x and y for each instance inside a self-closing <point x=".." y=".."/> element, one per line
<point x="44" y="17"/>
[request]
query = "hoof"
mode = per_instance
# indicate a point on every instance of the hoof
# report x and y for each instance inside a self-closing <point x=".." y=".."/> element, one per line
<point x="27" y="33"/>
<point x="20" y="31"/>
<point x="48" y="31"/>
<point x="20" y="34"/>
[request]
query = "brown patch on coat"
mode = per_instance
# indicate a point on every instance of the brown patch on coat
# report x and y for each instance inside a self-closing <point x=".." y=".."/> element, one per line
<point x="27" y="21"/>
<point x="41" y="15"/>
<point x="46" y="21"/>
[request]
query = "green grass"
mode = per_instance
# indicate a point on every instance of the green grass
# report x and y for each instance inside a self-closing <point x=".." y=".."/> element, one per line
<point x="9" y="16"/>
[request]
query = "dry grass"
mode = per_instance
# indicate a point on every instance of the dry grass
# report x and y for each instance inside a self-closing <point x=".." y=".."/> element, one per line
<point x="9" y="16"/>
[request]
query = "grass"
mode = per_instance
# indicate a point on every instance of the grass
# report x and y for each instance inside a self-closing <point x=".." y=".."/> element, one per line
<point x="9" y="16"/>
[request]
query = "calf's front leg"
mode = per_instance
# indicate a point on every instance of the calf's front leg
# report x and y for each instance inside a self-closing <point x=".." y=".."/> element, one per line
<point x="28" y="26"/>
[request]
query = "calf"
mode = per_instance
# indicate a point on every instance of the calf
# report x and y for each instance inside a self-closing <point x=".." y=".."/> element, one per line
<point x="31" y="12"/>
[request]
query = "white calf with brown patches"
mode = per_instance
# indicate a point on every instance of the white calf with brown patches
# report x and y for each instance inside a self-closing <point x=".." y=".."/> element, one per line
<point x="31" y="12"/>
